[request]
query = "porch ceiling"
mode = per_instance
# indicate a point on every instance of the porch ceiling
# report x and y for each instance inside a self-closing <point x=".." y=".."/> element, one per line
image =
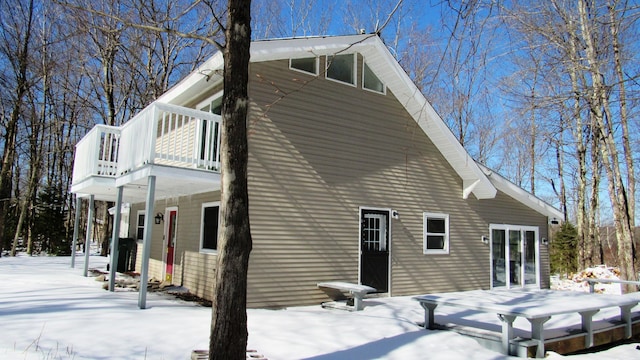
<point x="171" y="182"/>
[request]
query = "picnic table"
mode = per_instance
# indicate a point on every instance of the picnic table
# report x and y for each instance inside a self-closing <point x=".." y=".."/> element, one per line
<point x="358" y="291"/>
<point x="537" y="306"/>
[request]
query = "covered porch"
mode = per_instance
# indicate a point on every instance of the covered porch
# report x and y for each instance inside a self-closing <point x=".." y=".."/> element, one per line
<point x="165" y="151"/>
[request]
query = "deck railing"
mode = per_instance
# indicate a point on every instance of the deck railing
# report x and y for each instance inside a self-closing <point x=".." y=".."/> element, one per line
<point x="170" y="135"/>
<point x="97" y="153"/>
<point x="160" y="134"/>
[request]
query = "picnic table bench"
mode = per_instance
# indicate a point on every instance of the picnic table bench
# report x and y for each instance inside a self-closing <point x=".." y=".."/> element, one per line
<point x="335" y="288"/>
<point x="593" y="281"/>
<point x="535" y="306"/>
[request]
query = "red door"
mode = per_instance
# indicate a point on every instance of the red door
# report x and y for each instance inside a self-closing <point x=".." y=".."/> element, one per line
<point x="171" y="243"/>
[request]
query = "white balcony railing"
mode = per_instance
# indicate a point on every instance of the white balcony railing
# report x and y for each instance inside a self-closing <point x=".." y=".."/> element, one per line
<point x="170" y="135"/>
<point x="160" y="134"/>
<point x="97" y="153"/>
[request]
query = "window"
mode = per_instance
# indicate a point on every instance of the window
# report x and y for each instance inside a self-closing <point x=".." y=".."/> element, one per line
<point x="370" y="81"/>
<point x="309" y="65"/>
<point x="140" y="226"/>
<point x="436" y="233"/>
<point x="341" y="68"/>
<point x="213" y="104"/>
<point x="209" y="230"/>
<point x="210" y="132"/>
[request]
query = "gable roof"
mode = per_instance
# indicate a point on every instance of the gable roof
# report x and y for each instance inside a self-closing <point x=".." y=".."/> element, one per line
<point x="476" y="179"/>
<point x="383" y="64"/>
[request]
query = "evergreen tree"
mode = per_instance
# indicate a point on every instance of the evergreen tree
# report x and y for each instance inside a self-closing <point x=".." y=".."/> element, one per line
<point x="562" y="251"/>
<point x="49" y="228"/>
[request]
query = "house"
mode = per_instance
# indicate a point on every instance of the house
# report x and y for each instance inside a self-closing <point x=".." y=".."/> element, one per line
<point x="352" y="177"/>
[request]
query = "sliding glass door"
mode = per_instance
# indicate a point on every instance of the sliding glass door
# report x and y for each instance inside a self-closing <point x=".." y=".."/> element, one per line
<point x="514" y="256"/>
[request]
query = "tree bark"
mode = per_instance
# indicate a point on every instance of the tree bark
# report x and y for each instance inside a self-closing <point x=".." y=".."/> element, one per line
<point x="229" y="316"/>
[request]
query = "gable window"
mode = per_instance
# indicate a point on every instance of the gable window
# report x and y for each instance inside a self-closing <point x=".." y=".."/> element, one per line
<point x="436" y="233"/>
<point x="209" y="227"/>
<point x="308" y="65"/>
<point x="140" y="226"/>
<point x="370" y="81"/>
<point x="209" y="131"/>
<point x="341" y="68"/>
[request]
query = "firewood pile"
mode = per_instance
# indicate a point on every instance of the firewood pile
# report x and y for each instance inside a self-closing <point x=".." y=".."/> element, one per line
<point x="575" y="282"/>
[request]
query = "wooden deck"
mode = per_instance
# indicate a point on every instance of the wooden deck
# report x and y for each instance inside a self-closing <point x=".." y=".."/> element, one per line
<point x="530" y="322"/>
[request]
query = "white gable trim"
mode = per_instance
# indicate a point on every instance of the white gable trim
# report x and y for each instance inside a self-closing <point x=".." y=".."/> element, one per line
<point x="522" y="195"/>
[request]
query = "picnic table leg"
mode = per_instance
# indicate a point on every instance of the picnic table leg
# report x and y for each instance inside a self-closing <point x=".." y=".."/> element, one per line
<point x="537" y="333"/>
<point x="587" y="325"/>
<point x="357" y="301"/>
<point x="428" y="315"/>
<point x="625" y="316"/>
<point x="507" y="332"/>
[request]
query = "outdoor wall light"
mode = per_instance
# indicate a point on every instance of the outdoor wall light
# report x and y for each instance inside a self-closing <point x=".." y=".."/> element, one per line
<point x="545" y="241"/>
<point x="395" y="215"/>
<point x="485" y="239"/>
<point x="159" y="218"/>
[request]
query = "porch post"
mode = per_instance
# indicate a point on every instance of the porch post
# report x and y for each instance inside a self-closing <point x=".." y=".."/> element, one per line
<point x="87" y="240"/>
<point x="146" y="241"/>
<point x="114" y="240"/>
<point x="76" y="224"/>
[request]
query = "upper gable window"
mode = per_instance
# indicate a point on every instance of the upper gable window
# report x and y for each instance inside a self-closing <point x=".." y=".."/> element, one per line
<point x="370" y="81"/>
<point x="342" y="68"/>
<point x="213" y="104"/>
<point x="308" y="65"/>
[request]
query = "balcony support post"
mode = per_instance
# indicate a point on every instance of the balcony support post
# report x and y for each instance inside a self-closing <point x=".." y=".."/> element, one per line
<point x="76" y="225"/>
<point x="115" y="239"/>
<point x="146" y="240"/>
<point x="87" y="238"/>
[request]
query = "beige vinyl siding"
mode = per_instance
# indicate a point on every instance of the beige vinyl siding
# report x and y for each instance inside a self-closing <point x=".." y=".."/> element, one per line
<point x="318" y="151"/>
<point x="325" y="149"/>
<point x="192" y="269"/>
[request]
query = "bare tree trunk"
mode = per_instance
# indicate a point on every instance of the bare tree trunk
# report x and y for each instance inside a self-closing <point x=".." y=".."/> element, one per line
<point x="614" y="26"/>
<point x="24" y="208"/>
<point x="228" y="339"/>
<point x="607" y="146"/>
<point x="581" y="213"/>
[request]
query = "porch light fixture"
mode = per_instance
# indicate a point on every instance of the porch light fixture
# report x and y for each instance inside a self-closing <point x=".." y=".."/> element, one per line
<point x="545" y="241"/>
<point x="159" y="218"/>
<point x="485" y="240"/>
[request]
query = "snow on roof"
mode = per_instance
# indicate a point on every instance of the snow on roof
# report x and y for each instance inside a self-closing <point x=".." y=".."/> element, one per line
<point x="381" y="62"/>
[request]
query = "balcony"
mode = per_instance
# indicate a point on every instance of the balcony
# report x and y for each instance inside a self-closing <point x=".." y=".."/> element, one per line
<point x="180" y="146"/>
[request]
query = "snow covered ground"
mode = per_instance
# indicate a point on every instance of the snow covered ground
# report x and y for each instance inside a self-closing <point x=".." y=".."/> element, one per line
<point x="50" y="311"/>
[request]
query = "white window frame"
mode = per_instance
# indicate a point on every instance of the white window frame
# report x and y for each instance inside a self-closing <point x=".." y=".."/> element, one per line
<point x="513" y="227"/>
<point x="138" y="226"/>
<point x="206" y="205"/>
<point x="304" y="71"/>
<point x="384" y="86"/>
<point x="208" y="101"/>
<point x="425" y="217"/>
<point x="354" y="74"/>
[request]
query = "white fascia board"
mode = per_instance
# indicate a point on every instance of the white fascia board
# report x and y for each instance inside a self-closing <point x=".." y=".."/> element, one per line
<point x="397" y="80"/>
<point x="268" y="50"/>
<point x="205" y="76"/>
<point x="522" y="195"/>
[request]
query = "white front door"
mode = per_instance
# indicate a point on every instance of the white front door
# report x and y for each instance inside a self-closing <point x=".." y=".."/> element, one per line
<point x="514" y="256"/>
